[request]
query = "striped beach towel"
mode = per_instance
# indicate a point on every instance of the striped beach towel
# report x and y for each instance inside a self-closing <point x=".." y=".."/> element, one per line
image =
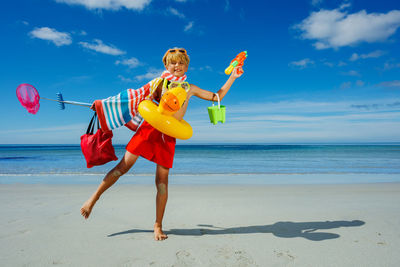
<point x="122" y="109"/>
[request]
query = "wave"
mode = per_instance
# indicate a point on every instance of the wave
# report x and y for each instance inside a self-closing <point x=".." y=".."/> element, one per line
<point x="197" y="174"/>
<point x="15" y="158"/>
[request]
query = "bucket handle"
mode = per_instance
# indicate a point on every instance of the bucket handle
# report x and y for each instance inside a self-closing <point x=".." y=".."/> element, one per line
<point x="219" y="102"/>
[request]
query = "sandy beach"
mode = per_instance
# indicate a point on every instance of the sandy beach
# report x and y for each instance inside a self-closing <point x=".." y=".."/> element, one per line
<point x="207" y="225"/>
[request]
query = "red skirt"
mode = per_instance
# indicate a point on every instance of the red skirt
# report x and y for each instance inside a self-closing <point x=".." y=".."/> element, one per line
<point x="153" y="145"/>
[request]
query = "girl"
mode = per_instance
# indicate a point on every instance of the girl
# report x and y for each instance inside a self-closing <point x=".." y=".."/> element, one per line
<point x="156" y="146"/>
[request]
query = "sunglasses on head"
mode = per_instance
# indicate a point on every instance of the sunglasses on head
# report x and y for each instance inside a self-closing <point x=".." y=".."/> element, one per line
<point x="175" y="50"/>
<point x="184" y="85"/>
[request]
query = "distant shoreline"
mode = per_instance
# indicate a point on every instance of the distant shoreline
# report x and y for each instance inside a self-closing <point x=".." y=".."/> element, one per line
<point x="206" y="179"/>
<point x="239" y="144"/>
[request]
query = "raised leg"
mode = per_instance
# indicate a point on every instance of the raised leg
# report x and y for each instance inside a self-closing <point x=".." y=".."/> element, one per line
<point x="112" y="176"/>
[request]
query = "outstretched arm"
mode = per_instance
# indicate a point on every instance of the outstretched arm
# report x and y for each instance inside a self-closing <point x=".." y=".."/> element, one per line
<point x="207" y="95"/>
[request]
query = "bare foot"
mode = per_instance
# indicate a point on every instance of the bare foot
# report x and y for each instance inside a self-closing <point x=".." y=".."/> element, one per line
<point x="159" y="235"/>
<point x="87" y="207"/>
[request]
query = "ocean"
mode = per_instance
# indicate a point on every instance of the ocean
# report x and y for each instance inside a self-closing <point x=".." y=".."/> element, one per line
<point x="67" y="161"/>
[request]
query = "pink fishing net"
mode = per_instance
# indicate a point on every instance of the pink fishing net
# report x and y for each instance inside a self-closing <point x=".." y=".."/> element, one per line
<point x="29" y="97"/>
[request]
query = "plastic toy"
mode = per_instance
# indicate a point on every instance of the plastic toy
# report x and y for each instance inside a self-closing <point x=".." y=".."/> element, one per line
<point x="217" y="113"/>
<point x="161" y="117"/>
<point x="238" y="61"/>
<point x="29" y="98"/>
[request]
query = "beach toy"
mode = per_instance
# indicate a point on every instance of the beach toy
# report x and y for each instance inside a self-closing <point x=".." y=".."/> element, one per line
<point x="29" y="98"/>
<point x="217" y="113"/>
<point x="238" y="61"/>
<point x="161" y="117"/>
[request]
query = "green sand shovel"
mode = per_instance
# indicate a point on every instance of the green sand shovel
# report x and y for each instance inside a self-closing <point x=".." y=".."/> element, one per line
<point x="217" y="113"/>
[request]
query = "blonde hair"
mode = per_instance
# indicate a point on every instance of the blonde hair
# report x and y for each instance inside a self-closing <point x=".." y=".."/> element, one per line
<point x="176" y="55"/>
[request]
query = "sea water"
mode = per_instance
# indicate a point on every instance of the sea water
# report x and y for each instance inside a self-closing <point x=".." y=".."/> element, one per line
<point x="67" y="161"/>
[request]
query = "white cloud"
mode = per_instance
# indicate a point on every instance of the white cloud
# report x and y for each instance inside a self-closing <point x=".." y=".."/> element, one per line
<point x="100" y="47"/>
<point x="207" y="67"/>
<point x="344" y="6"/>
<point x="175" y="12"/>
<point x="329" y="64"/>
<point x="316" y="2"/>
<point x="337" y="28"/>
<point x="151" y="74"/>
<point x="391" y="84"/>
<point x="377" y="106"/>
<point x="124" y="79"/>
<point x="391" y="65"/>
<point x="227" y="5"/>
<point x="62" y="128"/>
<point x="189" y="26"/>
<point x="351" y="73"/>
<point x="131" y="62"/>
<point x="345" y="85"/>
<point x="374" y="54"/>
<point x="58" y="134"/>
<point x="50" y="34"/>
<point x="285" y="121"/>
<point x="81" y="33"/>
<point x="108" y="4"/>
<point x="334" y="64"/>
<point x="302" y="121"/>
<point x="360" y="83"/>
<point x="304" y="63"/>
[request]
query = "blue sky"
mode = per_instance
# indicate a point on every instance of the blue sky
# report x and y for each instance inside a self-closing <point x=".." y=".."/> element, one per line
<point x="317" y="70"/>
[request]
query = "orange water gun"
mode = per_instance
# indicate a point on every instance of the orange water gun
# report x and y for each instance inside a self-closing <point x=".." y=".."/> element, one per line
<point x="238" y="61"/>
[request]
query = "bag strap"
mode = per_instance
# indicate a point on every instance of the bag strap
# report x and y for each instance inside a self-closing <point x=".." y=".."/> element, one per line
<point x="98" y="122"/>
<point x="90" y="128"/>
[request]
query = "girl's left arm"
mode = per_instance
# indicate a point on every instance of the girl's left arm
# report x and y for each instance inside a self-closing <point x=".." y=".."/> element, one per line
<point x="207" y="95"/>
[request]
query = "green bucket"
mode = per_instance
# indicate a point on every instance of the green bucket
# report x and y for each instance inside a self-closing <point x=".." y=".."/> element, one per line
<point x="217" y="113"/>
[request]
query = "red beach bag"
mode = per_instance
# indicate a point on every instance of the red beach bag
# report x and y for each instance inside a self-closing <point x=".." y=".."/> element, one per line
<point x="97" y="148"/>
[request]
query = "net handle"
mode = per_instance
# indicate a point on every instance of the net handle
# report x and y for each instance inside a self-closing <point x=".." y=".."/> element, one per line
<point x="69" y="102"/>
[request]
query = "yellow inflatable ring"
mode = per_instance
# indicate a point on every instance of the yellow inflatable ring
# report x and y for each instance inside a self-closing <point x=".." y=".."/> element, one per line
<point x="166" y="124"/>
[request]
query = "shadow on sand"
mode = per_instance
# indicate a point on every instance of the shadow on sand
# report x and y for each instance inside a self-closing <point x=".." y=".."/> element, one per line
<point x="307" y="230"/>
